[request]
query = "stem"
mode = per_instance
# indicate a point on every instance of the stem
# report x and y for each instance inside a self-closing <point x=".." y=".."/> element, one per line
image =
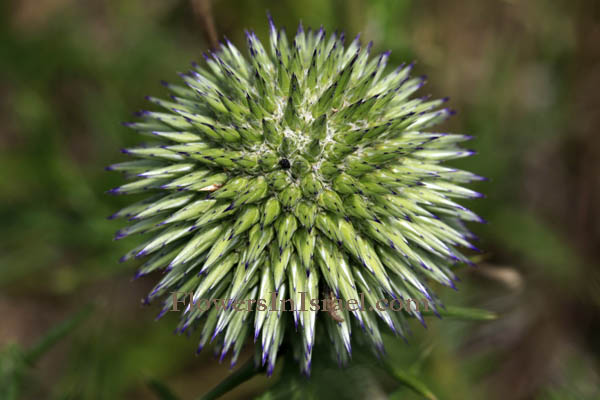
<point x="241" y="375"/>
<point x="203" y="11"/>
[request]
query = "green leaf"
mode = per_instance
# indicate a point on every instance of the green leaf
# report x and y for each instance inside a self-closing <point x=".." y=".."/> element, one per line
<point x="56" y="334"/>
<point x="161" y="390"/>
<point x="411" y="381"/>
<point x="465" y="313"/>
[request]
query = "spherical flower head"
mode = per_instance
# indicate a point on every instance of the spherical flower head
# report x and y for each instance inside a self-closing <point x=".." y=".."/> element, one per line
<point x="303" y="171"/>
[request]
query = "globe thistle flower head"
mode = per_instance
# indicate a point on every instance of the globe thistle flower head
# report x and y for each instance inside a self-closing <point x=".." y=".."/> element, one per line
<point x="304" y="168"/>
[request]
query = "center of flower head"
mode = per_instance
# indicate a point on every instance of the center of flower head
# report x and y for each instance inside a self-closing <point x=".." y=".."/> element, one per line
<point x="284" y="163"/>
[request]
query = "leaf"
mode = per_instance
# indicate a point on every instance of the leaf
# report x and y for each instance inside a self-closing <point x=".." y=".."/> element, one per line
<point x="14" y="361"/>
<point x="56" y="334"/>
<point x="465" y="313"/>
<point x="411" y="381"/>
<point x="161" y="390"/>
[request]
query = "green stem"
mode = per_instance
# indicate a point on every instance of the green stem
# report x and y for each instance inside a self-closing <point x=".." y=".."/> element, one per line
<point x="241" y="375"/>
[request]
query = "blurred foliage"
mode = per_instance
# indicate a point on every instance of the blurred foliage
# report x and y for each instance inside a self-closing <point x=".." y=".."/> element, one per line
<point x="16" y="362"/>
<point x="523" y="76"/>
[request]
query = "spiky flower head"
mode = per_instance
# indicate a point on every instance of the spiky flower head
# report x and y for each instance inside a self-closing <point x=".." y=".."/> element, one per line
<point x="305" y="167"/>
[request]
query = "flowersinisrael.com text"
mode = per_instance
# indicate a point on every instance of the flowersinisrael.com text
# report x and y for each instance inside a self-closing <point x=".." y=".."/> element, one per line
<point x="330" y="304"/>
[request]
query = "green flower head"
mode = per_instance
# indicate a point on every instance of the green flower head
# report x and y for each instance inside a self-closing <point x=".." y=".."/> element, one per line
<point x="305" y="168"/>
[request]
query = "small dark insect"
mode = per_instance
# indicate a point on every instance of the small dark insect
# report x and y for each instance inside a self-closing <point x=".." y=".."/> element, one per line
<point x="284" y="163"/>
<point x="331" y="301"/>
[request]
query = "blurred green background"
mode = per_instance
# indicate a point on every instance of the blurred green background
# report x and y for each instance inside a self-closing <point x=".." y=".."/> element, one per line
<point x="524" y="77"/>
